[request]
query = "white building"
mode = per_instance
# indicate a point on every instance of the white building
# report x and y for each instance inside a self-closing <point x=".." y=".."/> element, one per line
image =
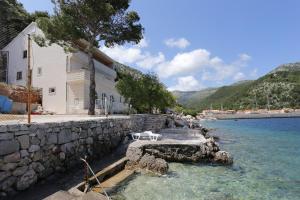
<point x="63" y="77"/>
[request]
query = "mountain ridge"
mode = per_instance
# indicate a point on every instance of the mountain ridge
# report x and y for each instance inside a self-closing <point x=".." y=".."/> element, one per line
<point x="277" y="89"/>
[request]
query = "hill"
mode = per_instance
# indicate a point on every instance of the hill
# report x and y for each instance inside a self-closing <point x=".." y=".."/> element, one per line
<point x="124" y="69"/>
<point x="192" y="97"/>
<point x="278" y="89"/>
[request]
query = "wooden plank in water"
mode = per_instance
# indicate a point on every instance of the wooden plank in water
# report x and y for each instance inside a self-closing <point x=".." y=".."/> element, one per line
<point x="113" y="181"/>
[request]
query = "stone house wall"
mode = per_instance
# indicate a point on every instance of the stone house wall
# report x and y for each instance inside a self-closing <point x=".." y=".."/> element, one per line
<point x="32" y="152"/>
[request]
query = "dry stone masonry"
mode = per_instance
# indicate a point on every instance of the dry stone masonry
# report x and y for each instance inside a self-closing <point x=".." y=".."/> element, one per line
<point x="31" y="152"/>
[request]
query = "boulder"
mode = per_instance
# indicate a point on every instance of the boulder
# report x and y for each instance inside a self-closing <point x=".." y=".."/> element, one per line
<point x="223" y="157"/>
<point x="26" y="180"/>
<point x="179" y="123"/>
<point x="155" y="165"/>
<point x="134" y="154"/>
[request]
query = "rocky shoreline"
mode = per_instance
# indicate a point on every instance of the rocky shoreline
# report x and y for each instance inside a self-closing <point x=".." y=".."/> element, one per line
<point x="178" y="145"/>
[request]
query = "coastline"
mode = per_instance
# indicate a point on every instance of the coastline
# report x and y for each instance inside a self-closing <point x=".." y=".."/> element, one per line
<point x="256" y="116"/>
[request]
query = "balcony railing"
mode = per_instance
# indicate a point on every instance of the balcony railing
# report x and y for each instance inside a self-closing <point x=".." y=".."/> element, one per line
<point x="78" y="75"/>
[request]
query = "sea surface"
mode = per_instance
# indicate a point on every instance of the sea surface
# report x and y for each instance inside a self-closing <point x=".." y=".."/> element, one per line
<point x="266" y="166"/>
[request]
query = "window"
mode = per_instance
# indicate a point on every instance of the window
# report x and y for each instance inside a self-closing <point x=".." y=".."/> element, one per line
<point x="76" y="101"/>
<point x="111" y="98"/>
<point x="25" y="54"/>
<point x="52" y="91"/>
<point x="39" y="71"/>
<point x="19" y="75"/>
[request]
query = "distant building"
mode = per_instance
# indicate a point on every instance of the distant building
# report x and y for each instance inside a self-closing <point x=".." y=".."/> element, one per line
<point x="63" y="77"/>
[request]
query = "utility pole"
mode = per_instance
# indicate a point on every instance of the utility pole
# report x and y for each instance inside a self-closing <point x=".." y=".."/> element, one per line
<point x="29" y="80"/>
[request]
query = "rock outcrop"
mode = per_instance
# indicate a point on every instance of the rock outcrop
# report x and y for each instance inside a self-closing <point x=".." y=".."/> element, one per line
<point x="153" y="156"/>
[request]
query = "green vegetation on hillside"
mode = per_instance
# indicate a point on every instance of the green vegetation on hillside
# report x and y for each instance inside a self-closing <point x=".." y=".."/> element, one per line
<point x="278" y="89"/>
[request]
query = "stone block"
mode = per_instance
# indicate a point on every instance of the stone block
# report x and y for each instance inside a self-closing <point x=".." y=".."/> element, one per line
<point x="13" y="128"/>
<point x="26" y="180"/>
<point x="17" y="133"/>
<point x="24" y="153"/>
<point x="12" y="158"/>
<point x="6" y="136"/>
<point x="33" y="127"/>
<point x="34" y="148"/>
<point x="24" y="162"/>
<point x="4" y="175"/>
<point x="38" y="168"/>
<point x="51" y="138"/>
<point x="62" y="156"/>
<point x="9" y="166"/>
<point x="83" y="134"/>
<point x="64" y="136"/>
<point x="3" y="129"/>
<point x="24" y="127"/>
<point x="20" y="171"/>
<point x="8" y="183"/>
<point x="89" y="140"/>
<point x="8" y="147"/>
<point x="75" y="136"/>
<point x="36" y="156"/>
<point x="67" y="148"/>
<point x="34" y="141"/>
<point x="24" y="141"/>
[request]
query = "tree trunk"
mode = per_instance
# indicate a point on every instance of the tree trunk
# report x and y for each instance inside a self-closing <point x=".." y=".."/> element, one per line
<point x="92" y="83"/>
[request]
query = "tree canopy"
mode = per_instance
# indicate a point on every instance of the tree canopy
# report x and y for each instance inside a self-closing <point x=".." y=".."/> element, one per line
<point x="145" y="93"/>
<point x="13" y="19"/>
<point x="99" y="22"/>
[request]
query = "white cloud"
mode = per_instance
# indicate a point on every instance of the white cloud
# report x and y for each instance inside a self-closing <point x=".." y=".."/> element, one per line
<point x="186" y="83"/>
<point x="244" y="57"/>
<point x="134" y="55"/>
<point x="218" y="70"/>
<point x="123" y="54"/>
<point x="179" y="43"/>
<point x="184" y="63"/>
<point x="143" y="43"/>
<point x="197" y="63"/>
<point x="149" y="61"/>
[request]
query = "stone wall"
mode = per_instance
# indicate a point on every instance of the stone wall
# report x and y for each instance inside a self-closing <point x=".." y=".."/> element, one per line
<point x="32" y="152"/>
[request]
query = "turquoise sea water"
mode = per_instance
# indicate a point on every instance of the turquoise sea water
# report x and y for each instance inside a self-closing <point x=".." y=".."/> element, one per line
<point x="266" y="166"/>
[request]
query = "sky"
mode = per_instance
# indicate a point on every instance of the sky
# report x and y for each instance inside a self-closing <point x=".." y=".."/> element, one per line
<point x="196" y="44"/>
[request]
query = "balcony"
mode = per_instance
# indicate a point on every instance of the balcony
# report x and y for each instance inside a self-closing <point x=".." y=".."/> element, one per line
<point x="78" y="76"/>
<point x="81" y="75"/>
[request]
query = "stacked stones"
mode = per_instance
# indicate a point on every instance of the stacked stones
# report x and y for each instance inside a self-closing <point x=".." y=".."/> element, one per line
<point x="31" y="152"/>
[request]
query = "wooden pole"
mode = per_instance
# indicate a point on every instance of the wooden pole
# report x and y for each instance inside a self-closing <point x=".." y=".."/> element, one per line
<point x="29" y="77"/>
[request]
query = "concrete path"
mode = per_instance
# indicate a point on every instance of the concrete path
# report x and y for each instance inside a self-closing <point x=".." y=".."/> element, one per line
<point x="174" y="136"/>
